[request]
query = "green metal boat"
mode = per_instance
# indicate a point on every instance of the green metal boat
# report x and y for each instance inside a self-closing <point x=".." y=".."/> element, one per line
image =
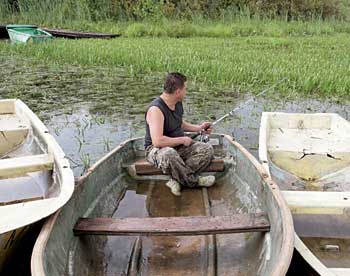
<point x="27" y="34"/>
<point x="114" y="190"/>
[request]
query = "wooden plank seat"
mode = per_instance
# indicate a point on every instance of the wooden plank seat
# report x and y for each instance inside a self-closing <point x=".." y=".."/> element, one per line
<point x="11" y="167"/>
<point x="180" y="226"/>
<point x="143" y="167"/>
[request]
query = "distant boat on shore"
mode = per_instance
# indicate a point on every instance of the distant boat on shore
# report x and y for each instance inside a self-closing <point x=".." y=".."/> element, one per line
<point x="27" y="34"/>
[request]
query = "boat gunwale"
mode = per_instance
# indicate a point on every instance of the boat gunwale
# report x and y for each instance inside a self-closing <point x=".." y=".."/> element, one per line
<point x="37" y="260"/>
<point x="12" y="26"/>
<point x="44" y="33"/>
<point x="287" y="222"/>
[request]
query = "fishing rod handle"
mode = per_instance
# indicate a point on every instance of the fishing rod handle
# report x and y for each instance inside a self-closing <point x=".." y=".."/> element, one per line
<point x="195" y="135"/>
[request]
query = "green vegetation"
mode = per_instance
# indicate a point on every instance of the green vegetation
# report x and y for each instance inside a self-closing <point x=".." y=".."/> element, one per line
<point x="315" y="66"/>
<point x="176" y="18"/>
<point x="240" y="27"/>
<point x="241" y="44"/>
<point x="59" y="11"/>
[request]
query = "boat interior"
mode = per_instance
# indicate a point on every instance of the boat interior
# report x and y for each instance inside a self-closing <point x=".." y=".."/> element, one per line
<point x="113" y="192"/>
<point x="308" y="147"/>
<point x="310" y="154"/>
<point x="26" y="167"/>
<point x="327" y="237"/>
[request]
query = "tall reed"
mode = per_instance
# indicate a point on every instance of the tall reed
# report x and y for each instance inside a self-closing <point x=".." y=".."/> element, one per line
<point x="58" y="12"/>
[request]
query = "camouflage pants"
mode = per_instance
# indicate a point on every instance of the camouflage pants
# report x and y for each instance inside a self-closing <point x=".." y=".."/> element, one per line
<point x="183" y="163"/>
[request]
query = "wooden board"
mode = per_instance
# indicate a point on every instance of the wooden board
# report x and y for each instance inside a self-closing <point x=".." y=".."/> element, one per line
<point x="20" y="165"/>
<point x="181" y="226"/>
<point x="7" y="107"/>
<point x="143" y="167"/>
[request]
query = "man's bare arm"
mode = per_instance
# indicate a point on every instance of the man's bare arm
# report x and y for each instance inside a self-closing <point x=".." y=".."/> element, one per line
<point x="155" y="120"/>
<point x="190" y="127"/>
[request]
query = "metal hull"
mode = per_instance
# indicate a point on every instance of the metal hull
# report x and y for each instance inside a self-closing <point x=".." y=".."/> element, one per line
<point x="105" y="192"/>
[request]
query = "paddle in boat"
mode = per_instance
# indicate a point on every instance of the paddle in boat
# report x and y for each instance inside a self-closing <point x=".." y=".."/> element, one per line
<point x="35" y="177"/>
<point x="123" y="220"/>
<point x="27" y="34"/>
<point x="308" y="156"/>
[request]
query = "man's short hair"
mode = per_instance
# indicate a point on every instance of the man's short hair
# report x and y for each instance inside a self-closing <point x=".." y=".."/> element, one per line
<point x="174" y="81"/>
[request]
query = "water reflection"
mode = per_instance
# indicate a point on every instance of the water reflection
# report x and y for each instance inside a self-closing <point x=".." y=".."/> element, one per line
<point x="90" y="110"/>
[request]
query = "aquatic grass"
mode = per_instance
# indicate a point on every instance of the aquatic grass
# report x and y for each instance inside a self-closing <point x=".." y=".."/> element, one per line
<point x="85" y="160"/>
<point x="315" y="66"/>
<point x="107" y="144"/>
<point x="219" y="28"/>
<point x="80" y="141"/>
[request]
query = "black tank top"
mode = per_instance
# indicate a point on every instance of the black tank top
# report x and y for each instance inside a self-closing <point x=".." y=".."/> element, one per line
<point x="172" y="120"/>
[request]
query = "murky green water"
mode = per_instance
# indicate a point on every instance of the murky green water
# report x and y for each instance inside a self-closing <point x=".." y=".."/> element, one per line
<point x="91" y="110"/>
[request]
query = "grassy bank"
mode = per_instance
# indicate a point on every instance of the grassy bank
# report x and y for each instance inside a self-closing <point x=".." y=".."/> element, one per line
<point x="199" y="27"/>
<point x="316" y="66"/>
<point x="236" y="27"/>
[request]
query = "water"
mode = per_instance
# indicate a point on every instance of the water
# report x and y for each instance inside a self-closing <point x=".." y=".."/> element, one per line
<point x="171" y="255"/>
<point x="90" y="110"/>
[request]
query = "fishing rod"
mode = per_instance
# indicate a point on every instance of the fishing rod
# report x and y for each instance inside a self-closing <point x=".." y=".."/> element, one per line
<point x="193" y="136"/>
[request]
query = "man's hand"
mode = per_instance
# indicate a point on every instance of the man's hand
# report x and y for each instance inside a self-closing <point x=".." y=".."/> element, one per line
<point x="187" y="141"/>
<point x="205" y="125"/>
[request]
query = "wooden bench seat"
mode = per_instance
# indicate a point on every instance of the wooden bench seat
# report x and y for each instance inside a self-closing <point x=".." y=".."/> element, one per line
<point x="143" y="167"/>
<point x="16" y="166"/>
<point x="181" y="226"/>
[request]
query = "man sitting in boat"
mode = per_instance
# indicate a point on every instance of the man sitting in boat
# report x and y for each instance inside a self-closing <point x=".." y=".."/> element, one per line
<point x="166" y="145"/>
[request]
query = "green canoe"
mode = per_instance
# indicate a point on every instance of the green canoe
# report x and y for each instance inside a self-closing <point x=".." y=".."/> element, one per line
<point x="27" y="34"/>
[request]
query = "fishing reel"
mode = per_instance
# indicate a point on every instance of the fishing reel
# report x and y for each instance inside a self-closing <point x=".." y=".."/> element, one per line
<point x="204" y="137"/>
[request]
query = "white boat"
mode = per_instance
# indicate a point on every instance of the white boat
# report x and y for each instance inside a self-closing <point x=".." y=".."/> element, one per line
<point x="35" y="177"/>
<point x="308" y="156"/>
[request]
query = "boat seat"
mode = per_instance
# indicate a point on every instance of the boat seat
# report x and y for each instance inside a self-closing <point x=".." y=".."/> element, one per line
<point x="13" y="130"/>
<point x="179" y="226"/>
<point x="11" y="167"/>
<point x="143" y="167"/>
